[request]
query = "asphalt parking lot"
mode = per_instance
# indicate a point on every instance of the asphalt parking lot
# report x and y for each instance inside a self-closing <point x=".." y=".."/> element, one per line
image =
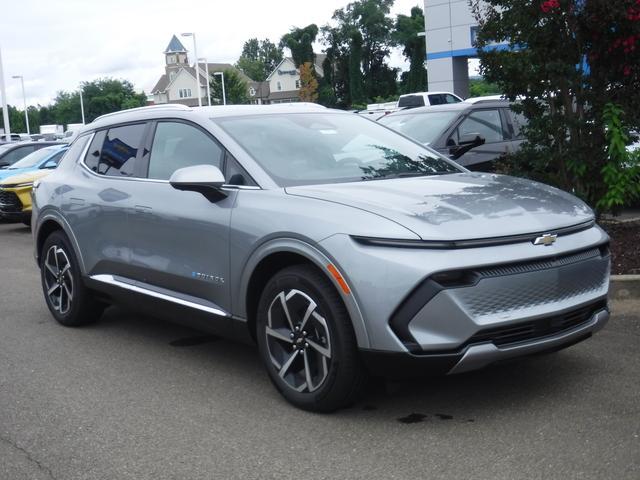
<point x="137" y="398"/>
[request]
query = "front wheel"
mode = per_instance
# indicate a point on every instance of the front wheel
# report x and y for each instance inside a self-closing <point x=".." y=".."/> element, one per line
<point x="69" y="301"/>
<point x="307" y="342"/>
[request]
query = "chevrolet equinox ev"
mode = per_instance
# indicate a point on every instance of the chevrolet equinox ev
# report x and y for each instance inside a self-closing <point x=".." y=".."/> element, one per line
<point x="339" y="246"/>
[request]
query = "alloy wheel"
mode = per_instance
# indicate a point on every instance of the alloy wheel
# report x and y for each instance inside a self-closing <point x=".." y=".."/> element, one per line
<point x="58" y="280"/>
<point x="298" y="341"/>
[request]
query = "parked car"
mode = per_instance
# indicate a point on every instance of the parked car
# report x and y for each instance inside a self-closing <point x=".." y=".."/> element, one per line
<point x="425" y="99"/>
<point x="44" y="159"/>
<point x="338" y="245"/>
<point x="15" y="196"/>
<point x="448" y="128"/>
<point x="13" y="137"/>
<point x="10" y="153"/>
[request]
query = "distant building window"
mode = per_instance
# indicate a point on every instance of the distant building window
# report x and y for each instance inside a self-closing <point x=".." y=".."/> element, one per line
<point x="279" y="86"/>
<point x="252" y="92"/>
<point x="184" y="93"/>
<point x="298" y="84"/>
<point x="172" y="75"/>
<point x="171" y="59"/>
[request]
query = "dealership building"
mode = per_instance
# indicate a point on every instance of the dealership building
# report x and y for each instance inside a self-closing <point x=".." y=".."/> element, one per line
<point x="450" y="30"/>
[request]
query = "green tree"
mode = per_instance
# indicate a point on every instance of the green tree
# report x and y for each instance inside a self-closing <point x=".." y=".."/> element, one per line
<point x="414" y="49"/>
<point x="259" y="58"/>
<point x="234" y="85"/>
<point x="101" y="96"/>
<point x="358" y="45"/>
<point x="300" y="42"/>
<point x="567" y="60"/>
<point x="482" y="88"/>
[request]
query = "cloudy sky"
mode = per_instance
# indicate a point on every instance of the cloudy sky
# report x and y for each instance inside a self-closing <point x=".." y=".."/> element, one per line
<point x="56" y="45"/>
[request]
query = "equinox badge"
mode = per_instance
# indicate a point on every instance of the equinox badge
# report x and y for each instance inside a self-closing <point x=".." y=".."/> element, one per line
<point x="546" y="239"/>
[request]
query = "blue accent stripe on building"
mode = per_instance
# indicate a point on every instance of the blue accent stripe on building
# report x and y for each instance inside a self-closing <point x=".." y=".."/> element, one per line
<point x="463" y="52"/>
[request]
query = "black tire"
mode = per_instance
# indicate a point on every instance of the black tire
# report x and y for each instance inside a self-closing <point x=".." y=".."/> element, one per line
<point x="337" y="373"/>
<point x="71" y="303"/>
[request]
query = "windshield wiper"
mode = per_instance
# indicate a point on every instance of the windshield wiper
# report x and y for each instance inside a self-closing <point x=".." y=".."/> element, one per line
<point x="406" y="175"/>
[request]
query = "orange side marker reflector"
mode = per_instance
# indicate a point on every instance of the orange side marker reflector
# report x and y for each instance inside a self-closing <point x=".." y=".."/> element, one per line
<point x="336" y="274"/>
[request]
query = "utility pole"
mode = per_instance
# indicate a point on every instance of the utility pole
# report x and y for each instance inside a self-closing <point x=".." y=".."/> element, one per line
<point x="5" y="110"/>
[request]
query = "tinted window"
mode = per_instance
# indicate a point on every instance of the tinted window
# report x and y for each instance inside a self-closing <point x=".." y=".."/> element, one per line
<point x="16" y="154"/>
<point x="486" y="123"/>
<point x="120" y="149"/>
<point x="178" y="145"/>
<point x="315" y="148"/>
<point x="437" y="99"/>
<point x="451" y="99"/>
<point x="411" y="101"/>
<point x="95" y="150"/>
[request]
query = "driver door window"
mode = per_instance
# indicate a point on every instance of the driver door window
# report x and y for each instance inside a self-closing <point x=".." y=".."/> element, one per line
<point x="486" y="123"/>
<point x="177" y="145"/>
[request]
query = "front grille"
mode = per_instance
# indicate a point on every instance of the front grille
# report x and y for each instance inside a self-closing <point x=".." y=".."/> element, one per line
<point x="526" y="267"/>
<point x="9" y="202"/>
<point x="537" y="329"/>
<point x="526" y="286"/>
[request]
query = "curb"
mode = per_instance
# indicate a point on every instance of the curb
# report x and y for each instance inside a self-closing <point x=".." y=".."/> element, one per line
<point x="624" y="287"/>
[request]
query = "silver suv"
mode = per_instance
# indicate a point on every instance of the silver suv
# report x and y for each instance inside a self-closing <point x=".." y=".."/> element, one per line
<point x="339" y="246"/>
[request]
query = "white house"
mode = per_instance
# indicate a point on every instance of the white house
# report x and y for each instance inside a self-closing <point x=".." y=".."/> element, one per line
<point x="284" y="81"/>
<point x="178" y="83"/>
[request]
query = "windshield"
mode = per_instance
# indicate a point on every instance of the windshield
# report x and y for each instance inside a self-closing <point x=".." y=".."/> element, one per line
<point x="423" y="127"/>
<point x="33" y="159"/>
<point x="316" y="148"/>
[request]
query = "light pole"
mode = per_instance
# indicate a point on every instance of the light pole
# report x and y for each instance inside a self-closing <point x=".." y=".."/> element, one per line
<point x="5" y="110"/>
<point x="24" y="102"/>
<point x="195" y="66"/>
<point x="224" y="96"/>
<point x="81" y="106"/>
<point x="208" y="78"/>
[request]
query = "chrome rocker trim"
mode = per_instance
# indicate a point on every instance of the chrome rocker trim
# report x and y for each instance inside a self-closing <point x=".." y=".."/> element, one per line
<point x="479" y="356"/>
<point x="138" y="288"/>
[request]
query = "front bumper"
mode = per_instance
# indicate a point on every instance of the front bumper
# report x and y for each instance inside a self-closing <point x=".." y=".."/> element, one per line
<point x="480" y="355"/>
<point x="15" y="203"/>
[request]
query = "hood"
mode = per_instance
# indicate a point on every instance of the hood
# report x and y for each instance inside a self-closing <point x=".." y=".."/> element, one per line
<point x="24" y="177"/>
<point x="9" y="172"/>
<point x="461" y="206"/>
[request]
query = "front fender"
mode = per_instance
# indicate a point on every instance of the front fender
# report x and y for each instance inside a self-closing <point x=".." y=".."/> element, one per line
<point x="52" y="215"/>
<point x="314" y="254"/>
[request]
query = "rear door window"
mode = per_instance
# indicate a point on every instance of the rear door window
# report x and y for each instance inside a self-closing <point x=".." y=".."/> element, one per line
<point x="177" y="145"/>
<point x="120" y="150"/>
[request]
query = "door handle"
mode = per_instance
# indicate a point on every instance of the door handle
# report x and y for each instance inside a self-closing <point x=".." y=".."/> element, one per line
<point x="144" y="210"/>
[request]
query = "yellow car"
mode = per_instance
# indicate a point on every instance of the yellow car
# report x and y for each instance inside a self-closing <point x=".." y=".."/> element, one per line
<point x="15" y="195"/>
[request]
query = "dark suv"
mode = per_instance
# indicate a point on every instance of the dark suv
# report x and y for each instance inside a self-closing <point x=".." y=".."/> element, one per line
<point x="447" y="128"/>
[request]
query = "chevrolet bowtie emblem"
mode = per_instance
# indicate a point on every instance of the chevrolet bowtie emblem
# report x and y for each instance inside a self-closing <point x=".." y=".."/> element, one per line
<point x="546" y="239"/>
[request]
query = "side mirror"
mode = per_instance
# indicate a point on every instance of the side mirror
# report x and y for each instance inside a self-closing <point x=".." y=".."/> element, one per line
<point x="467" y="142"/>
<point x="50" y="165"/>
<point x="205" y="179"/>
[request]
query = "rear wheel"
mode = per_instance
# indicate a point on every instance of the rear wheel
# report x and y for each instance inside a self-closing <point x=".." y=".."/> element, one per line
<point x="306" y="341"/>
<point x="69" y="301"/>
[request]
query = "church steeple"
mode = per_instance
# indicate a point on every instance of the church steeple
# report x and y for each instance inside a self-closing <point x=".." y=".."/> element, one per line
<point x="175" y="53"/>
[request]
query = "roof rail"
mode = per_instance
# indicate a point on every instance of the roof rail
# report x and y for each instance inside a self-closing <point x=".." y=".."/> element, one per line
<point x="164" y="106"/>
